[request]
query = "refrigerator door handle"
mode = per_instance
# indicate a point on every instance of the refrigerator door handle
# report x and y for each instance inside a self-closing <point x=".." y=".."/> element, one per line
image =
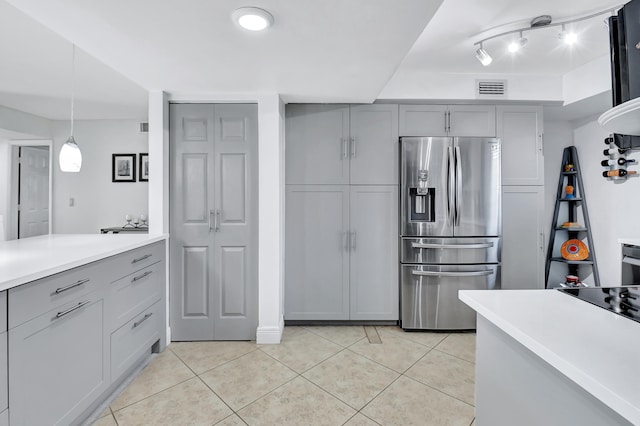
<point x="458" y="186"/>
<point x="451" y="246"/>
<point x="450" y="187"/>
<point x="452" y="274"/>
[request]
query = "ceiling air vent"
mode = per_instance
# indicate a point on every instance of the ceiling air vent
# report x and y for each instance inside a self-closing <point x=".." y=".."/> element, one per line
<point x="491" y="89"/>
<point x="144" y="127"/>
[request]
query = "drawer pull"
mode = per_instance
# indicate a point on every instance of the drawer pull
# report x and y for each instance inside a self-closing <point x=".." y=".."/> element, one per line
<point x="451" y="246"/>
<point x="140" y="259"/>
<point x="139" y="277"/>
<point x="68" y="311"/>
<point x="146" y="317"/>
<point x="70" y="286"/>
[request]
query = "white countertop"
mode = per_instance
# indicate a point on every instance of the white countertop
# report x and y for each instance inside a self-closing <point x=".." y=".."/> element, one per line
<point x="596" y="349"/>
<point x="33" y="258"/>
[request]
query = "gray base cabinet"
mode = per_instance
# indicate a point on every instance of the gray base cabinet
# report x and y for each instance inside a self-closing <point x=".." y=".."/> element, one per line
<point x="523" y="237"/>
<point x="58" y="364"/>
<point x="73" y="336"/>
<point x="341" y="252"/>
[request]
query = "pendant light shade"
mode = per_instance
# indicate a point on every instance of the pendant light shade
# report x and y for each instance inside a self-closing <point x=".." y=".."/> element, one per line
<point x="70" y="158"/>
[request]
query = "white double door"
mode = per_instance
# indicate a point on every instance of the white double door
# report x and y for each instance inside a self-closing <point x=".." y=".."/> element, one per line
<point x="213" y="221"/>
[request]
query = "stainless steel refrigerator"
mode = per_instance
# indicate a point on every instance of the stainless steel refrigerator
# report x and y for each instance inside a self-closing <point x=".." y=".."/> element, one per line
<point x="450" y="228"/>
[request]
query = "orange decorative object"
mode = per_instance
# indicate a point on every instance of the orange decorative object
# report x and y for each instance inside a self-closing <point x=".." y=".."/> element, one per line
<point x="569" y="191"/>
<point x="574" y="250"/>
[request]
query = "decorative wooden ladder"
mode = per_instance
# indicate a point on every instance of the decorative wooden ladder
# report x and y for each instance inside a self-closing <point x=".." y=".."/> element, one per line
<point x="573" y="178"/>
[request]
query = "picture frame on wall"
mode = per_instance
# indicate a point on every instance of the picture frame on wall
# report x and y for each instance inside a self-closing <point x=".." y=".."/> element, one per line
<point x="144" y="167"/>
<point x="123" y="168"/>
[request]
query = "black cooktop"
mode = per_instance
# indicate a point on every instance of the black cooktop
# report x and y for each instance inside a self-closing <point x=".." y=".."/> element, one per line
<point x="623" y="301"/>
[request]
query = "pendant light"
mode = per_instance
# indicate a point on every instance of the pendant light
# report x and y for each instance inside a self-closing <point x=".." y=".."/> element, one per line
<point x="70" y="156"/>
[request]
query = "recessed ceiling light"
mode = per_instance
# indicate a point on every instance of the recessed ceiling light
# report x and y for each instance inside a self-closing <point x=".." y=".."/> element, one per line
<point x="252" y="18"/>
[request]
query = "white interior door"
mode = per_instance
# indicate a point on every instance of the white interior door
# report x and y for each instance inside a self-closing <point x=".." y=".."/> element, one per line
<point x="33" y="191"/>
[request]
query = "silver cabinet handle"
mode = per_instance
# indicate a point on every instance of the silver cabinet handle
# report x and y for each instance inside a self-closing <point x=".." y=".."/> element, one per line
<point x="346" y="239"/>
<point x="458" y="185"/>
<point x="353" y="240"/>
<point x="452" y="274"/>
<point x="146" y="317"/>
<point x="139" y="277"/>
<point x="345" y="151"/>
<point x="451" y="246"/>
<point x="352" y="139"/>
<point x="70" y="286"/>
<point x="210" y="214"/>
<point x="216" y="226"/>
<point x="68" y="311"/>
<point x="631" y="260"/>
<point x="140" y="259"/>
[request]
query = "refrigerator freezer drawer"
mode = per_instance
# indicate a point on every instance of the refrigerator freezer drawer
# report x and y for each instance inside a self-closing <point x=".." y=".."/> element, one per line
<point x="450" y="250"/>
<point x="430" y="295"/>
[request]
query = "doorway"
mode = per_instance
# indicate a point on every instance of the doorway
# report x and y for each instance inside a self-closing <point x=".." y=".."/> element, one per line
<point x="213" y="221"/>
<point x="30" y="206"/>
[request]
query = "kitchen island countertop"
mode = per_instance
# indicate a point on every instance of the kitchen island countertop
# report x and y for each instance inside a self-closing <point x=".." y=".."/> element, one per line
<point x="29" y="259"/>
<point x="596" y="349"/>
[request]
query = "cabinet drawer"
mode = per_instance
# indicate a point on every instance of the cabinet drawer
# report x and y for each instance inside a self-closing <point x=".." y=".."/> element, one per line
<point x="134" y="260"/>
<point x="3" y="311"/>
<point x="4" y="377"/>
<point x="135" y="292"/>
<point x="31" y="300"/>
<point x="131" y="341"/>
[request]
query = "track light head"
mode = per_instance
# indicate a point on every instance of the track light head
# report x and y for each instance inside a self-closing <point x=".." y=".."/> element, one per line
<point x="568" y="37"/>
<point x="482" y="55"/>
<point x="517" y="44"/>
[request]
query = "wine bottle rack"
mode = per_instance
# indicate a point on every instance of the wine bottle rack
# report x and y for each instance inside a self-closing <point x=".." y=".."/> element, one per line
<point x="616" y="161"/>
<point x="570" y="176"/>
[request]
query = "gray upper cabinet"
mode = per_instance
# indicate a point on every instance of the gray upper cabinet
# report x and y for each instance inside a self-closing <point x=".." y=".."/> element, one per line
<point x="374" y="144"/>
<point x="521" y="132"/>
<point x="317" y="252"/>
<point x="342" y="144"/>
<point x="317" y="144"/>
<point x="447" y="120"/>
<point x="373" y="263"/>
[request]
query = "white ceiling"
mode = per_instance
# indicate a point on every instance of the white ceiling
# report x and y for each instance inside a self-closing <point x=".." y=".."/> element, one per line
<point x="317" y="50"/>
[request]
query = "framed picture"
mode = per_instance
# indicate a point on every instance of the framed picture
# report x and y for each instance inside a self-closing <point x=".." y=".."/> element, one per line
<point x="144" y="167"/>
<point x="123" y="168"/>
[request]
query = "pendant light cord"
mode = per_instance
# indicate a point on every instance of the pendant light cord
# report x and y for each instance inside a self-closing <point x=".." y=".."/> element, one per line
<point x="73" y="75"/>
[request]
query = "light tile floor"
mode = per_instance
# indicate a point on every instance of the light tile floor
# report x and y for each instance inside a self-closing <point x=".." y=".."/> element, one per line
<point x="321" y="375"/>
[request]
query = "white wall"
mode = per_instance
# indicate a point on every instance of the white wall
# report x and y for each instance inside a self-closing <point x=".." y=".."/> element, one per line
<point x="613" y="205"/>
<point x="99" y="203"/>
<point x="5" y="175"/>
<point x="586" y="81"/>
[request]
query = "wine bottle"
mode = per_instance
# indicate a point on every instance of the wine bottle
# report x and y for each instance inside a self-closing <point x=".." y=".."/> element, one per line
<point x="608" y="140"/>
<point x="618" y="173"/>
<point x="613" y="151"/>
<point x="619" y="161"/>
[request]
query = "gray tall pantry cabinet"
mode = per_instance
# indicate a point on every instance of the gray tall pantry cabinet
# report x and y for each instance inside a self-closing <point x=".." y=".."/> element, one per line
<point x="341" y="212"/>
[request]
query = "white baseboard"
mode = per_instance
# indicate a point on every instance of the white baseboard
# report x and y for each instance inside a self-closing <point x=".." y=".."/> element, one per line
<point x="270" y="335"/>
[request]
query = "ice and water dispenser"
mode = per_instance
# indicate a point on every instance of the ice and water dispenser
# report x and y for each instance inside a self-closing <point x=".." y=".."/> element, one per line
<point x="422" y="200"/>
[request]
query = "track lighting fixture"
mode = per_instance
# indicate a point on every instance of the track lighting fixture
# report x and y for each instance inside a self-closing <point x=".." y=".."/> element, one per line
<point x="539" y="22"/>
<point x="482" y="55"/>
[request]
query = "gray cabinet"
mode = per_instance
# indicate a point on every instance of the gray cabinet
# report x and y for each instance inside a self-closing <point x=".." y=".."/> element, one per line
<point x="341" y="144"/>
<point x="341" y="252"/>
<point x="523" y="237"/>
<point x="520" y="129"/>
<point x="4" y="364"/>
<point x="317" y="252"/>
<point x="373" y="262"/>
<point x="447" y="120"/>
<point x="58" y="363"/>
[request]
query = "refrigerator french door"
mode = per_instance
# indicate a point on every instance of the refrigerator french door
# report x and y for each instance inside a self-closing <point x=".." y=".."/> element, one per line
<point x="450" y="228"/>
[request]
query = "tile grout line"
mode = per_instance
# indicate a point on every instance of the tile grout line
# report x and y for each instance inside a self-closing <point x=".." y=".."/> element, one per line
<point x="452" y="355"/>
<point x="441" y="391"/>
<point x="219" y="365"/>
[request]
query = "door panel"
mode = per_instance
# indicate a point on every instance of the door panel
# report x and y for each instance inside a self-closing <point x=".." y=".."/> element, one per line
<point x="317" y="144"/>
<point x="520" y="130"/>
<point x="195" y="294"/>
<point x="191" y="188"/>
<point x="430" y="294"/>
<point x="317" y="257"/>
<point x="374" y="253"/>
<point x="374" y="144"/>
<point x="423" y="120"/>
<point x="434" y="157"/>
<point x="235" y="242"/>
<point x="34" y="191"/>
<point x="478" y="207"/>
<point x="472" y="120"/>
